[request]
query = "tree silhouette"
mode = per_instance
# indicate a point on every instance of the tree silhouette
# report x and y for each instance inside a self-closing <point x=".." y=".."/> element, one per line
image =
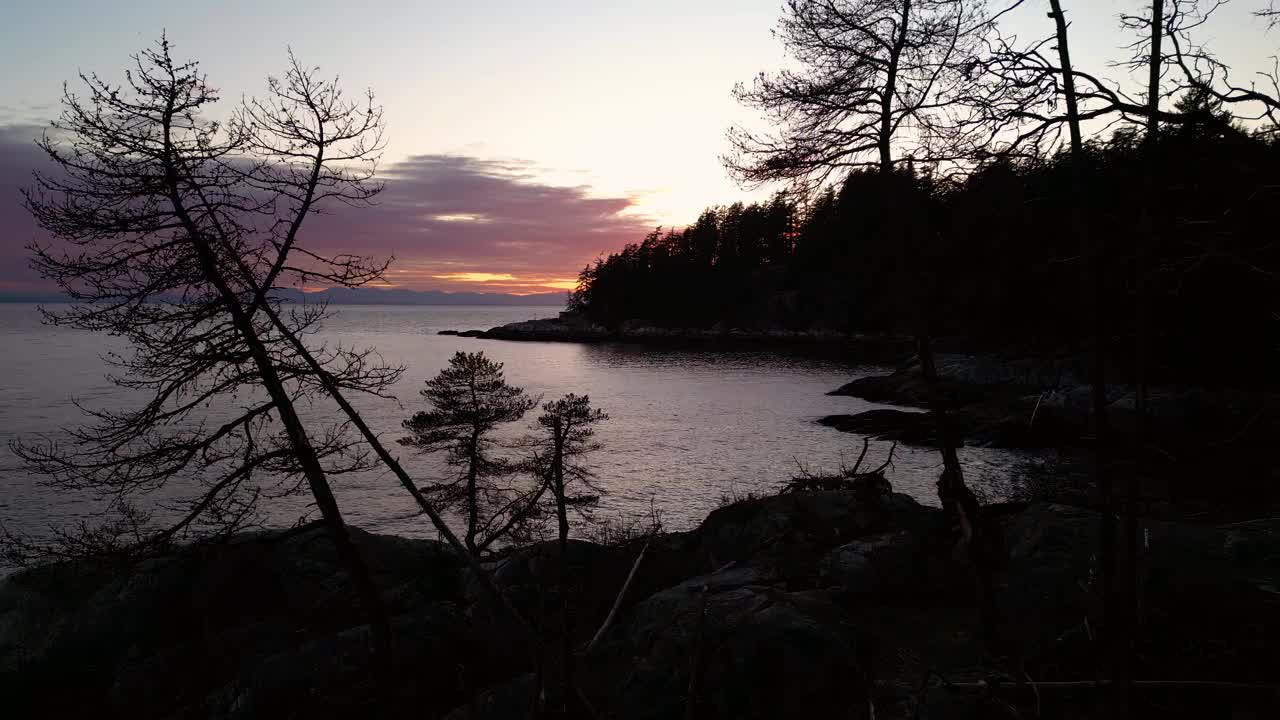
<point x="872" y="89"/>
<point x="173" y="230"/>
<point x="469" y="400"/>
<point x="566" y="438"/>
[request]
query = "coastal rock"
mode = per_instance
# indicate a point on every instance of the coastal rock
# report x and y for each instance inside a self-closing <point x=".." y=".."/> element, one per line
<point x="548" y="329"/>
<point x="869" y="348"/>
<point x="910" y="427"/>
<point x="874" y="564"/>
<point x="1001" y="419"/>
<point x="193" y="622"/>
<point x="805" y="604"/>
<point x="790" y="532"/>
<point x="734" y="647"/>
<point x="1209" y="595"/>
<point x="905" y="386"/>
<point x="330" y="674"/>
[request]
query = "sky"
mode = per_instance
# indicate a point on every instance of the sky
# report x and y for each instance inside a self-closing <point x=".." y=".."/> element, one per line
<point x="525" y="138"/>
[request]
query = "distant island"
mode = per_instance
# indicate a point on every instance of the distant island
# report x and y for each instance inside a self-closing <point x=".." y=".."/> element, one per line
<point x="359" y="296"/>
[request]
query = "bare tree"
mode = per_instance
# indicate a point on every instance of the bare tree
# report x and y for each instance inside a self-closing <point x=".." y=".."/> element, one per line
<point x="875" y="87"/>
<point x="1021" y="89"/>
<point x="1095" y="275"/>
<point x="1257" y="102"/>
<point x="1026" y="94"/>
<point x="469" y="400"/>
<point x="876" y="83"/>
<point x="173" y="231"/>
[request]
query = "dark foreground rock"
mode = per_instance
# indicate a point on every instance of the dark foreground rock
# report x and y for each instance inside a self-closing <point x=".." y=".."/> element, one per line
<point x="1204" y="453"/>
<point x="810" y="604"/>
<point x="1019" y="402"/>
<point x="262" y="627"/>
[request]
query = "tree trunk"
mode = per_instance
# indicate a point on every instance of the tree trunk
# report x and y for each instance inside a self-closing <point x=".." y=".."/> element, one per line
<point x="1093" y="250"/>
<point x="303" y="451"/>
<point x="473" y="511"/>
<point x="1144" y="239"/>
<point x="498" y="599"/>
<point x="562" y="518"/>
<point x="956" y="497"/>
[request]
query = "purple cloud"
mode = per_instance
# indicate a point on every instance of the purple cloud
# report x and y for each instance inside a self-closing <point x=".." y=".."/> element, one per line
<point x="453" y="216"/>
<point x="452" y="222"/>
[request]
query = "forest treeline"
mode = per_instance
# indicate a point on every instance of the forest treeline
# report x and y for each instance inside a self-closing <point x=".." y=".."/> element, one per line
<point x="1000" y="261"/>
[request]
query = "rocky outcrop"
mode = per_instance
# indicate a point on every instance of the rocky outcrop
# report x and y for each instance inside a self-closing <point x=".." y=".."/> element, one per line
<point x="255" y="628"/>
<point x="731" y="644"/>
<point x="911" y="427"/>
<point x="885" y="562"/>
<point x="1209" y="594"/>
<point x="808" y="604"/>
<point x="983" y="411"/>
<point x="1031" y="402"/>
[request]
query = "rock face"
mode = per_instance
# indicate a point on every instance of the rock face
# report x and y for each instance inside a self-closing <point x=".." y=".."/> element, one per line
<point x="881" y="563"/>
<point x="731" y="645"/>
<point x="1209" y="595"/>
<point x="252" y="629"/>
<point x="809" y="604"/>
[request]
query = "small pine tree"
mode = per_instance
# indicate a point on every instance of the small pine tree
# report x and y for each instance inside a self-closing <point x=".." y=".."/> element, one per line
<point x="566" y="437"/>
<point x="469" y="399"/>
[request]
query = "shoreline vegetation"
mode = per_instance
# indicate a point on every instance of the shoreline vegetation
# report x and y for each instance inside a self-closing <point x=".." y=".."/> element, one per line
<point x="1011" y="398"/>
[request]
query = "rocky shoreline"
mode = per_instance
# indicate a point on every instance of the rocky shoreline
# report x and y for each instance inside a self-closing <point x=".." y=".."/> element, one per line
<point x="996" y="401"/>
<point x="810" y="604"/>
<point x="983" y="414"/>
<point x="873" y="348"/>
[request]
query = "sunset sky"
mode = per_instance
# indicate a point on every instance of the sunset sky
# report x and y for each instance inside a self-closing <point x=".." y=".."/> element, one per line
<point x="525" y="138"/>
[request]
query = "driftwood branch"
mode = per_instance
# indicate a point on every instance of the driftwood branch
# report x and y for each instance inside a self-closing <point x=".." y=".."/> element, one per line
<point x="1069" y="685"/>
<point x="866" y="444"/>
<point x="617" y="603"/>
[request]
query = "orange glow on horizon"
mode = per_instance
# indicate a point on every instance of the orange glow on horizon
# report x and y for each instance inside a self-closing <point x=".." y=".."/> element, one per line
<point x="561" y="284"/>
<point x="497" y="282"/>
<point x="478" y="277"/>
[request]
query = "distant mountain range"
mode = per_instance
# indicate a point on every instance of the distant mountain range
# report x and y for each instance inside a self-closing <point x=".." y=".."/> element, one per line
<point x="362" y="296"/>
<point x="393" y="296"/>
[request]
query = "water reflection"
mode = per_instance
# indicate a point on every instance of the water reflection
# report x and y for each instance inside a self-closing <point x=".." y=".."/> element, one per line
<point x="689" y="426"/>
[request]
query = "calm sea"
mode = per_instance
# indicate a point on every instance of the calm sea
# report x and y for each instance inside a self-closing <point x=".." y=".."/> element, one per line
<point x="687" y="427"/>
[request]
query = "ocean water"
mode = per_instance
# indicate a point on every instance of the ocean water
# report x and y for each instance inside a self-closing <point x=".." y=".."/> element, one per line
<point x="687" y="428"/>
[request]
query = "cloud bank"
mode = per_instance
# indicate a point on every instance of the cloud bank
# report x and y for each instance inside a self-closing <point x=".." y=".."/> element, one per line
<point x="452" y="222"/>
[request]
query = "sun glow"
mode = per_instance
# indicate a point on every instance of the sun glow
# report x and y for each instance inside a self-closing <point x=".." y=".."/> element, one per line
<point x="497" y="282"/>
<point x="459" y="217"/>
<point x="476" y="277"/>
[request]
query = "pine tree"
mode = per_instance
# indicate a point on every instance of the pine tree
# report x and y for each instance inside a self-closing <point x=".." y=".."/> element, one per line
<point x="469" y="400"/>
